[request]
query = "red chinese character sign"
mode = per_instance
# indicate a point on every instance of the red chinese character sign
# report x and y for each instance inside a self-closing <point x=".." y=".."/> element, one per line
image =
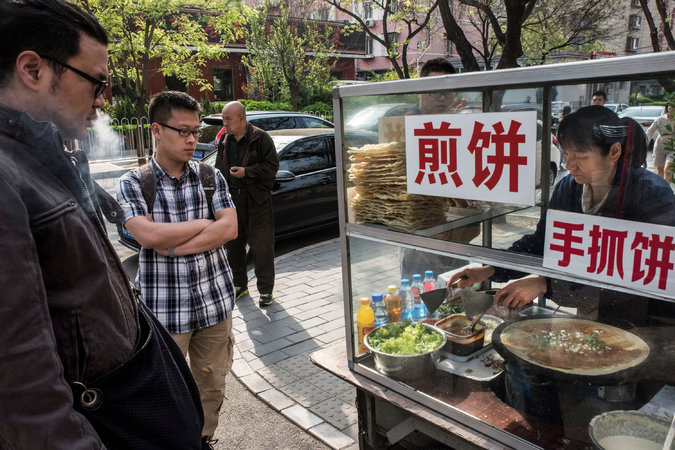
<point x="488" y="156"/>
<point x="621" y="252"/>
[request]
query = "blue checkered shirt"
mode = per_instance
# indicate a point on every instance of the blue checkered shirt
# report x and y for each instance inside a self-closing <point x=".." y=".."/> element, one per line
<point x="189" y="292"/>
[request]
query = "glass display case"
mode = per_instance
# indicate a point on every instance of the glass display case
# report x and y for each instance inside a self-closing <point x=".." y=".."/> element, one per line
<point x="561" y="230"/>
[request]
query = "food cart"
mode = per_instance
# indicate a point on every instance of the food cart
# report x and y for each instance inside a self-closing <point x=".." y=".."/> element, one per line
<point x="441" y="192"/>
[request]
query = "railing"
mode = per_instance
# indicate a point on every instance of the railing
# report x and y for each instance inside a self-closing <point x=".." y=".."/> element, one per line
<point x="115" y="139"/>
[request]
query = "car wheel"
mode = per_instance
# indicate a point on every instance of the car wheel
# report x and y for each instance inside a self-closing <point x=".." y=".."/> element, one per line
<point x="552" y="174"/>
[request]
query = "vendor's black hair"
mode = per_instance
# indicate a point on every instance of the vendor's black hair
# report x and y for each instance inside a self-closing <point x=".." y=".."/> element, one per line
<point x="441" y="65"/>
<point x="51" y="28"/>
<point x="597" y="126"/>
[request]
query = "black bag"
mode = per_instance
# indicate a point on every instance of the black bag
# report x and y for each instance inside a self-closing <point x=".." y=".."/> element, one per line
<point x="149" y="402"/>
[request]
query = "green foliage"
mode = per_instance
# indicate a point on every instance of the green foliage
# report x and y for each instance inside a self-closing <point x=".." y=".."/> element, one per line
<point x="277" y="59"/>
<point x="142" y="32"/>
<point x="122" y="109"/>
<point x="319" y="108"/>
<point x="208" y="107"/>
<point x="254" y="105"/>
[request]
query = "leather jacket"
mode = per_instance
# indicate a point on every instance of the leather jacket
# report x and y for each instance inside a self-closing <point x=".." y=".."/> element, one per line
<point x="67" y="310"/>
<point x="260" y="160"/>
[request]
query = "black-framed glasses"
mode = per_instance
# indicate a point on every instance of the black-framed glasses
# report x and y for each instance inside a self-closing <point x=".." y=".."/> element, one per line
<point x="101" y="85"/>
<point x="184" y="132"/>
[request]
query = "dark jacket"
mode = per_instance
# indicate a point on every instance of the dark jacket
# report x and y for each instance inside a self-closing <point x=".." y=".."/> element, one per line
<point x="67" y="310"/>
<point x="641" y="197"/>
<point x="260" y="161"/>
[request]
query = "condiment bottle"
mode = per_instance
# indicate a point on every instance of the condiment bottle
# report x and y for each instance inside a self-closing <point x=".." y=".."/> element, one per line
<point x="392" y="301"/>
<point x="365" y="321"/>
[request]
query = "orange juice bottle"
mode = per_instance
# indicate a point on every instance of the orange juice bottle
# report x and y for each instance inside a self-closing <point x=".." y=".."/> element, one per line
<point x="392" y="301"/>
<point x="365" y="321"/>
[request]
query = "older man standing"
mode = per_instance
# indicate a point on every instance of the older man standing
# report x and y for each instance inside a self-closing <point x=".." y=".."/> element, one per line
<point x="248" y="159"/>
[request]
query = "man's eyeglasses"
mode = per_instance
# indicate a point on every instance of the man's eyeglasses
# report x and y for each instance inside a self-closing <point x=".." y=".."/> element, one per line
<point x="184" y="132"/>
<point x="101" y="85"/>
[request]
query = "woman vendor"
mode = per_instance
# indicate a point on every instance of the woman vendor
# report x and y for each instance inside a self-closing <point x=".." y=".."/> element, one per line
<point x="605" y="156"/>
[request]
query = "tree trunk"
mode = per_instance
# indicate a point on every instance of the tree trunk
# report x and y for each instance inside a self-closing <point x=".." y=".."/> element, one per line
<point x="455" y="34"/>
<point x="668" y="85"/>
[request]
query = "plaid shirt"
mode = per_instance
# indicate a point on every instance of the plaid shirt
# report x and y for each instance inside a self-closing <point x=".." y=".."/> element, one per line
<point x="186" y="292"/>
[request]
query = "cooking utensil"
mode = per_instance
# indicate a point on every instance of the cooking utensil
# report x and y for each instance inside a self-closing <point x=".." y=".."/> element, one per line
<point x="434" y="298"/>
<point x="476" y="302"/>
<point x="633" y="349"/>
<point x="468" y="330"/>
<point x="630" y="428"/>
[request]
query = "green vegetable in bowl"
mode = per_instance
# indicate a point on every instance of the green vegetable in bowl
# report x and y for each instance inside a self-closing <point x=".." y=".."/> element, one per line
<point x="405" y="339"/>
<point x="450" y="308"/>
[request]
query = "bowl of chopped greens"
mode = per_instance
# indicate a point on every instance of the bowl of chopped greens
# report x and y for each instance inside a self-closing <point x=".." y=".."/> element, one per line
<point x="405" y="350"/>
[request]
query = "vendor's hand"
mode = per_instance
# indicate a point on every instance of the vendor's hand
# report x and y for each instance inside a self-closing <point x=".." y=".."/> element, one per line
<point x="238" y="172"/>
<point x="520" y="293"/>
<point x="471" y="275"/>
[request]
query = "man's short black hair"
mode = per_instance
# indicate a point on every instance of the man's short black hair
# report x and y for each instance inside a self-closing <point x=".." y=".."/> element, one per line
<point x="163" y="103"/>
<point x="602" y="94"/>
<point x="441" y="65"/>
<point x="51" y="28"/>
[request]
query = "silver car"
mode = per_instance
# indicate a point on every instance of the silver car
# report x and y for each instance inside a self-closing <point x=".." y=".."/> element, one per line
<point x="644" y="115"/>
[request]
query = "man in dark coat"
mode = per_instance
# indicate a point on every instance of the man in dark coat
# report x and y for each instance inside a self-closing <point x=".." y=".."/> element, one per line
<point x="248" y="159"/>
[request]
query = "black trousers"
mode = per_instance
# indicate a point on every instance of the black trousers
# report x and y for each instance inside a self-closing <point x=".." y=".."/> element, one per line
<point x="256" y="228"/>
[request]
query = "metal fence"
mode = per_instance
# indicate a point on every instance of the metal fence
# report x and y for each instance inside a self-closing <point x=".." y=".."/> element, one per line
<point x="115" y="139"/>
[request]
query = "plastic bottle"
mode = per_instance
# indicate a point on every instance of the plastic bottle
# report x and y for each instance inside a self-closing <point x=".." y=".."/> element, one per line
<point x="392" y="301"/>
<point x="407" y="305"/>
<point x="365" y="321"/>
<point x="379" y="310"/>
<point x="429" y="285"/>
<point x="417" y="289"/>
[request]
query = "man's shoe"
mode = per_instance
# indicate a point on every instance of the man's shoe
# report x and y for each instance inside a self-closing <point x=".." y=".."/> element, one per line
<point x="239" y="292"/>
<point x="266" y="299"/>
<point x="208" y="441"/>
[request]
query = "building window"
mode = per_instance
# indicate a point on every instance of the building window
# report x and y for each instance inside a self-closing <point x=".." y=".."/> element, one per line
<point x="632" y="44"/>
<point x="367" y="10"/>
<point x="448" y="47"/>
<point x="223" y="85"/>
<point x="634" y="21"/>
<point x="175" y="84"/>
<point x="369" y="45"/>
<point x="635" y="3"/>
<point x="393" y="6"/>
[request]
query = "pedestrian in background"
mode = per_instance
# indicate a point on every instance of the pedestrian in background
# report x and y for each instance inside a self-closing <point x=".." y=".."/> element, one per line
<point x="248" y="158"/>
<point x="83" y="365"/>
<point x="599" y="98"/>
<point x="435" y="102"/>
<point x="660" y="126"/>
<point x="183" y="272"/>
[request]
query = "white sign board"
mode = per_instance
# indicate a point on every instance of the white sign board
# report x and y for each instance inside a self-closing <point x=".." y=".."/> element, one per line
<point x="621" y="252"/>
<point x="486" y="156"/>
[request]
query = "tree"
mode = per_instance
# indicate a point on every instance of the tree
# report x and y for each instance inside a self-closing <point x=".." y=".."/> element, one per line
<point x="558" y="25"/>
<point x="663" y="23"/>
<point x="146" y="32"/>
<point x="407" y="17"/>
<point x="279" y="53"/>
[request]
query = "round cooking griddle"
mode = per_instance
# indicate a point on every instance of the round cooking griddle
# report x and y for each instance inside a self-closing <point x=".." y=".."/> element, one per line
<point x="523" y="343"/>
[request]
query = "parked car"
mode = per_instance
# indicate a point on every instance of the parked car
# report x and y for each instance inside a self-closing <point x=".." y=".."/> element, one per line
<point x="616" y="107"/>
<point x="645" y="115"/>
<point x="212" y="126"/>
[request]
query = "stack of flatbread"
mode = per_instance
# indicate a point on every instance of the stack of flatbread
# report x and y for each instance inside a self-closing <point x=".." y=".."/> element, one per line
<point x="378" y="174"/>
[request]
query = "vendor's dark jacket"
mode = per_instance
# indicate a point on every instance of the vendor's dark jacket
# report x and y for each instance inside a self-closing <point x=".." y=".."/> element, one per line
<point x="66" y="307"/>
<point x="260" y="161"/>
<point x="645" y="198"/>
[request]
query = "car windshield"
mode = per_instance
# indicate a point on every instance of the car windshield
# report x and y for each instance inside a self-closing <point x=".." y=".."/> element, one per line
<point x="642" y="112"/>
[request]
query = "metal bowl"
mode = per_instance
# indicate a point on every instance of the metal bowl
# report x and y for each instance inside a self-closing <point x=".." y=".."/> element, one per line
<point x="612" y="429"/>
<point x="406" y="367"/>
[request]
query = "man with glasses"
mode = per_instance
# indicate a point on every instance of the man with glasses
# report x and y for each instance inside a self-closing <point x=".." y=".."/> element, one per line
<point x="84" y="366"/>
<point x="183" y="273"/>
